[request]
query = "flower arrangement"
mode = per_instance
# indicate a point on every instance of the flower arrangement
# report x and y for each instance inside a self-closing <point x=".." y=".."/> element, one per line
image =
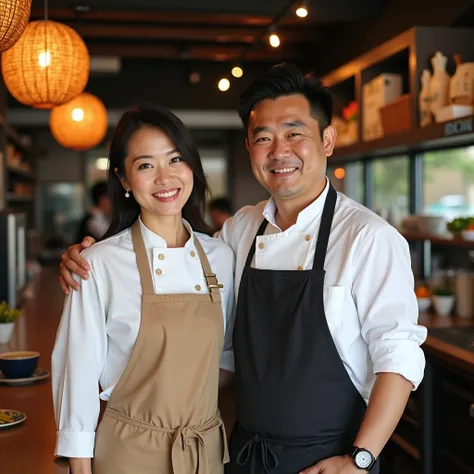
<point x="351" y="112"/>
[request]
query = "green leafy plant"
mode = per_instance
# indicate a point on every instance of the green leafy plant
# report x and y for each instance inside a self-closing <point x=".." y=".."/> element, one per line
<point x="443" y="291"/>
<point x="459" y="224"/>
<point x="8" y="314"/>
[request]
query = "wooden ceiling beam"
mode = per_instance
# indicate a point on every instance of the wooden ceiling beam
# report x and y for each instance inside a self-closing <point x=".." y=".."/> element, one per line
<point x="222" y="35"/>
<point x="164" y="17"/>
<point x="202" y="53"/>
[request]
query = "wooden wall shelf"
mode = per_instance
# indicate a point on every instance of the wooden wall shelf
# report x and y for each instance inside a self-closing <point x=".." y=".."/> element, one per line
<point x="408" y="54"/>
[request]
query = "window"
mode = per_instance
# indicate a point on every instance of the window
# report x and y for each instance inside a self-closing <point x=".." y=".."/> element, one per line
<point x="391" y="189"/>
<point x="448" y="183"/>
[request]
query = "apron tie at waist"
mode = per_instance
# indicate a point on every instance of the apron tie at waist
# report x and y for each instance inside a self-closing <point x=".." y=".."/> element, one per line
<point x="268" y="457"/>
<point x="181" y="438"/>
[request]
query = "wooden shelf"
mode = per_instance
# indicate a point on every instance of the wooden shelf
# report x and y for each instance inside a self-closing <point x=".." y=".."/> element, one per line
<point x="21" y="173"/>
<point x="14" y="198"/>
<point x="435" y="240"/>
<point x="406" y="446"/>
<point x="407" y="54"/>
<point x="438" y="135"/>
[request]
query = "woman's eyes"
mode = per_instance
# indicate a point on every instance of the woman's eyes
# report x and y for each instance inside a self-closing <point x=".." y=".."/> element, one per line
<point x="145" y="166"/>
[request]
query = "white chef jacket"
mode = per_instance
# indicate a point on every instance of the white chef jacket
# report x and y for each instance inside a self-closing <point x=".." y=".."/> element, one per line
<point x="369" y="298"/>
<point x="100" y="323"/>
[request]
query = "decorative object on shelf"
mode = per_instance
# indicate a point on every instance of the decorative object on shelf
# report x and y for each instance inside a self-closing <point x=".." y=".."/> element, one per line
<point x="424" y="98"/>
<point x="459" y="225"/>
<point x="439" y="83"/>
<point x="80" y="124"/>
<point x="347" y="128"/>
<point x="14" y="16"/>
<point x="396" y="116"/>
<point x="8" y="317"/>
<point x="48" y="66"/>
<point x="423" y="297"/>
<point x="465" y="293"/>
<point x="443" y="300"/>
<point x="380" y="91"/>
<point x="461" y="87"/>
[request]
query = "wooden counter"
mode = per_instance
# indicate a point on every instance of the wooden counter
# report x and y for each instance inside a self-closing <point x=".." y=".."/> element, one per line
<point x="460" y="357"/>
<point x="28" y="448"/>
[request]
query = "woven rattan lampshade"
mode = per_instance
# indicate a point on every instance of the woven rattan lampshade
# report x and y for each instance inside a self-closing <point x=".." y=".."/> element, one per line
<point x="48" y="66"/>
<point x="80" y="124"/>
<point x="14" y="16"/>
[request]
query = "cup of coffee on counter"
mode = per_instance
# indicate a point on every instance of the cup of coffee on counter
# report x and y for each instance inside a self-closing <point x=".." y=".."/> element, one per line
<point x="19" y="365"/>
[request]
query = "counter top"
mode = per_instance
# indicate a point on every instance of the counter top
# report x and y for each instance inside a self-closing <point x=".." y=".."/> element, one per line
<point x="444" y="350"/>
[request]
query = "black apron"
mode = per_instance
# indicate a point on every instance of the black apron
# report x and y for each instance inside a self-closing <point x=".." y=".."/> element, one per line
<point x="295" y="402"/>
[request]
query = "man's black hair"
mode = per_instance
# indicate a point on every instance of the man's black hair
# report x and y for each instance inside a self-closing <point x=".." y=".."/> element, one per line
<point x="287" y="79"/>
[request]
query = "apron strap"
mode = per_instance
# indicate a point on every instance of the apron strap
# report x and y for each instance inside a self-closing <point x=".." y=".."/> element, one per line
<point x="261" y="231"/>
<point x="142" y="259"/>
<point x="211" y="278"/>
<point x="325" y="229"/>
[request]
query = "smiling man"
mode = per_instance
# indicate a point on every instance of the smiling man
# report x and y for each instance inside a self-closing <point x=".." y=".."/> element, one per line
<point x="326" y="318"/>
<point x="326" y="341"/>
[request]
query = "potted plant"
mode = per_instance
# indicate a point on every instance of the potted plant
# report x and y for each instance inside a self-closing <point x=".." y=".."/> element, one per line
<point x="443" y="300"/>
<point x="8" y="316"/>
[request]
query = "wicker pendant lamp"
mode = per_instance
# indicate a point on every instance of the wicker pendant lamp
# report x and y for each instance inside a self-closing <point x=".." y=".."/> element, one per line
<point x="14" y="16"/>
<point x="48" y="66"/>
<point x="80" y="124"/>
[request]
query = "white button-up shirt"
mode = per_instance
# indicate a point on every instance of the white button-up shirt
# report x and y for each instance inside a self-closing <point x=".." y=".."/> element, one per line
<point x="369" y="298"/>
<point x="100" y="323"/>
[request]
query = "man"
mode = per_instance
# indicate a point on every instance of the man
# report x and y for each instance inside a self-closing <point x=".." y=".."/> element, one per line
<point x="96" y="222"/>
<point x="326" y="341"/>
<point x="221" y="210"/>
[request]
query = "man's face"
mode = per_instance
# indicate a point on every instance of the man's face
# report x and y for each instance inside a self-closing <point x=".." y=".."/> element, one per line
<point x="287" y="154"/>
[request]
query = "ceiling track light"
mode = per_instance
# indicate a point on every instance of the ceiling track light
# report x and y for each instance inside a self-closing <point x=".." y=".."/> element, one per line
<point x="302" y="9"/>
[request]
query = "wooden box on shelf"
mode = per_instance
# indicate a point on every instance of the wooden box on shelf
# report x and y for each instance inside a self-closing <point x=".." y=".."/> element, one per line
<point x="396" y="116"/>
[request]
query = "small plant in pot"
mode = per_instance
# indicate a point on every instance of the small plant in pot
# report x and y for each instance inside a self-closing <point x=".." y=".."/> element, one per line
<point x="8" y="317"/>
<point x="443" y="300"/>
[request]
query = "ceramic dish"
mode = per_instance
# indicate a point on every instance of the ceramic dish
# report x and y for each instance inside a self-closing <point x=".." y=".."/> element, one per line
<point x="11" y="418"/>
<point x="36" y="376"/>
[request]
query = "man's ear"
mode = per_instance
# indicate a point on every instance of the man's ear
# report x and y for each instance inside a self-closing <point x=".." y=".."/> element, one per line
<point x="329" y="139"/>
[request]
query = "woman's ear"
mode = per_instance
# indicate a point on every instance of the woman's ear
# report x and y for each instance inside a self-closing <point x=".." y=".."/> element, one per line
<point x="122" y="179"/>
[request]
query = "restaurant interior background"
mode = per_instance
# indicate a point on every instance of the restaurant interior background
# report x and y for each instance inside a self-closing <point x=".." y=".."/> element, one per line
<point x="402" y="76"/>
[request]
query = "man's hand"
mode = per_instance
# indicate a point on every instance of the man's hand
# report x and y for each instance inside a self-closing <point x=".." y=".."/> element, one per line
<point x="72" y="262"/>
<point x="335" y="465"/>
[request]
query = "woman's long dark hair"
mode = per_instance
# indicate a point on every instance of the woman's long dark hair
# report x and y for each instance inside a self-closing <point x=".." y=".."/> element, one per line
<point x="125" y="211"/>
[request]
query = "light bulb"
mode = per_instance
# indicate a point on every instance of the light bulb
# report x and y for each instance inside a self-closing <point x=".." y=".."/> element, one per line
<point x="224" y="84"/>
<point x="78" y="114"/>
<point x="44" y="59"/>
<point x="237" y="71"/>
<point x="339" y="173"/>
<point x="302" y="12"/>
<point x="274" y="40"/>
<point x="102" y="163"/>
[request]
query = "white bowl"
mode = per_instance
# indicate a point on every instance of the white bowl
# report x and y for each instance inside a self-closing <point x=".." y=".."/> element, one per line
<point x="468" y="235"/>
<point x="424" y="304"/>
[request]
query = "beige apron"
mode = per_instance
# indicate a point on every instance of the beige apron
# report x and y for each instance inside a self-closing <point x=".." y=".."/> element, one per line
<point x="162" y="417"/>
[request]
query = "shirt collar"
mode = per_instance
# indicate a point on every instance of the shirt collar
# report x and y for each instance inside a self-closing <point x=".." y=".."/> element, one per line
<point x="155" y="241"/>
<point x="306" y="215"/>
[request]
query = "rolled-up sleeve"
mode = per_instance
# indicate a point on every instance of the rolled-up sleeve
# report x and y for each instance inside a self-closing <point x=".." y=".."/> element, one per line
<point x="383" y="289"/>
<point x="77" y="362"/>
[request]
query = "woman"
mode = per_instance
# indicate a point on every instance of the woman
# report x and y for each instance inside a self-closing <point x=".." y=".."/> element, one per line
<point x="148" y="325"/>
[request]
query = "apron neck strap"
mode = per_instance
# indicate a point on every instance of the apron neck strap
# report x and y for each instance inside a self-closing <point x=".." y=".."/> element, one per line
<point x="211" y="278"/>
<point x="323" y="235"/>
<point x="325" y="229"/>
<point x="142" y="259"/>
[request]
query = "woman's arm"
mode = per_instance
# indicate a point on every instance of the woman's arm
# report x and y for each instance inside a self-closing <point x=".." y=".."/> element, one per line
<point x="78" y="360"/>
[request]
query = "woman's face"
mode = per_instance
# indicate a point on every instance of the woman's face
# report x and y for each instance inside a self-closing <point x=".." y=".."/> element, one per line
<point x="156" y="174"/>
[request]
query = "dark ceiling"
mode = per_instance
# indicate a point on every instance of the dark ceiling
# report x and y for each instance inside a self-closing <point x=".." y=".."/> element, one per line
<point x="219" y="30"/>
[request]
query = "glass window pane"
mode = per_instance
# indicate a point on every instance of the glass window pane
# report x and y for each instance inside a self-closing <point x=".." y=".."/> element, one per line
<point x="448" y="183"/>
<point x="391" y="189"/>
<point x="354" y="181"/>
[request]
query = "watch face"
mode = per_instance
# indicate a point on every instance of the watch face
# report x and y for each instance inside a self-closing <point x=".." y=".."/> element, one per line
<point x="363" y="459"/>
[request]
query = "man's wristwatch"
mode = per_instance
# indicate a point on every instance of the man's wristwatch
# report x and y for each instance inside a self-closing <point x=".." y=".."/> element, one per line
<point x="363" y="459"/>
